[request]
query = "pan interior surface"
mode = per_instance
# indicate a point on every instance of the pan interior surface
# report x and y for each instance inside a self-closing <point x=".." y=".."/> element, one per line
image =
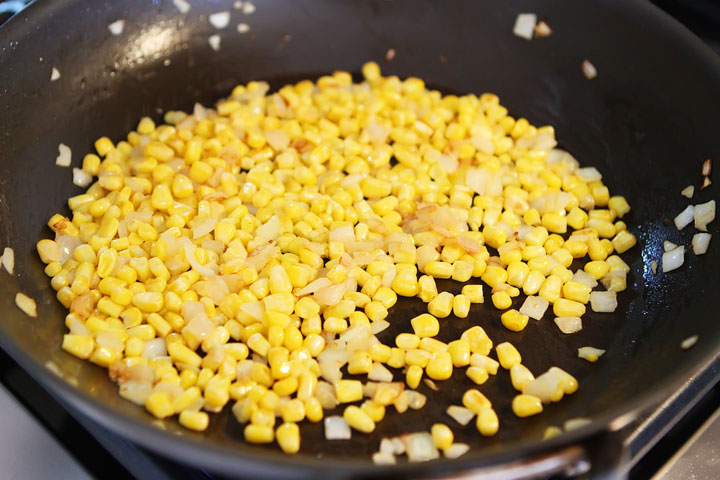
<point x="646" y="122"/>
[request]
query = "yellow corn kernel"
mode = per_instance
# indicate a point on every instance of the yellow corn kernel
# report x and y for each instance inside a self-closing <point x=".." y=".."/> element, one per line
<point x="526" y="405"/>
<point x="597" y="269"/>
<point x="461" y="306"/>
<point x="441" y="305"/>
<point x="474" y="293"/>
<point x="568" y="308"/>
<point x="288" y="437"/>
<point x="158" y="403"/>
<point x="374" y="410"/>
<point x="359" y="363"/>
<point x="477" y="374"/>
<point x="487" y="422"/>
<point x="358" y="419"/>
<point x="520" y="376"/>
<point x="508" y="356"/>
<point x="427" y="289"/>
<point x="459" y="351"/>
<point x="494" y="276"/>
<point x="551" y="288"/>
<point x="514" y="320"/>
<point x="619" y="206"/>
<point x="81" y="346"/>
<point x="413" y="376"/>
<point x="440" y="366"/>
<point x="577" y="218"/>
<point x="501" y="300"/>
<point x="193" y="420"/>
<point x="348" y="391"/>
<point x="554" y="222"/>
<point x="623" y="241"/>
<point x="259" y="433"/>
<point x="386" y="296"/>
<point x="425" y="325"/>
<point x="375" y="311"/>
<point x="439" y="269"/>
<point x="475" y="401"/>
<point x="442" y="436"/>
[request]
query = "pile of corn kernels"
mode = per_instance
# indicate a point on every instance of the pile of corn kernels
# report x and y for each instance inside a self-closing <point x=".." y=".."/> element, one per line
<point x="250" y="254"/>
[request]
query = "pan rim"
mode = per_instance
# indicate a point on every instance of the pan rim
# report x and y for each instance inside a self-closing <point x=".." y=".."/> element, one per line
<point x="226" y="457"/>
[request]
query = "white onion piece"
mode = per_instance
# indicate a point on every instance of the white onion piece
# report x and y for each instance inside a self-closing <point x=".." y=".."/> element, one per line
<point x="110" y="341"/>
<point x="688" y="191"/>
<point x="64" y="157"/>
<point x="189" y="250"/>
<point x="534" y="307"/>
<point x="243" y="369"/>
<point x="330" y="295"/>
<point x="248" y="8"/>
<point x="26" y="304"/>
<point x="673" y="259"/>
<point x="668" y="245"/>
<point x="182" y="5"/>
<point x="8" y="260"/>
<point x="243" y="28"/>
<point x="416" y="400"/>
<point x="542" y="29"/>
<point x="525" y="25"/>
<point x="684" y="218"/>
<point x="383" y="458"/>
<point x="378" y="326"/>
<point x="581" y="276"/>
<point x="420" y="447"/>
<point x="689" y="342"/>
<point x="591" y="354"/>
<point x="461" y="415"/>
<point x="700" y="243"/>
<point x="704" y="214"/>
<point x="456" y="450"/>
<point x="155" y="348"/>
<point x="313" y="286"/>
<point x="214" y="41"/>
<point x="219" y="20"/>
<point x="545" y="387"/>
<point x="379" y="373"/>
<point x="589" y="174"/>
<point x="336" y="428"/>
<point x="387" y="446"/>
<point x="81" y="178"/>
<point x="204" y="227"/>
<point x="277" y="139"/>
<point x="117" y="27"/>
<point x="200" y="326"/>
<point x="569" y="325"/>
<point x="253" y="309"/>
<point x="603" y="301"/>
<point x="269" y="230"/>
<point x="55" y="74"/>
<point x="190" y="309"/>
<point x="575" y="423"/>
<point x="589" y="69"/>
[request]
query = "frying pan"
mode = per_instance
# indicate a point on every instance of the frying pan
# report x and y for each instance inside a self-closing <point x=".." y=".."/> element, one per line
<point x="647" y="122"/>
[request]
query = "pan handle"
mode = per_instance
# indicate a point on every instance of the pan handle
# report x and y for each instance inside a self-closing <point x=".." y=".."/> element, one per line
<point x="600" y="456"/>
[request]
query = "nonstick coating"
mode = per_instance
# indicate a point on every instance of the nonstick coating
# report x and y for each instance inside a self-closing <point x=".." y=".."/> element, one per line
<point x="647" y="122"/>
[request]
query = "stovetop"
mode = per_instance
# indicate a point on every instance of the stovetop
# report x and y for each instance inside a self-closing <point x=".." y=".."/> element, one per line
<point x="675" y="440"/>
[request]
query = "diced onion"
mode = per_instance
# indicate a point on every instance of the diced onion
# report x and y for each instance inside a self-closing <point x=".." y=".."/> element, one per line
<point x="589" y="69"/>
<point x="379" y="373"/>
<point x="420" y="447"/>
<point x="248" y="8"/>
<point x="575" y="423"/>
<point x="704" y="214"/>
<point x="55" y="74"/>
<point x="461" y="415"/>
<point x="589" y="174"/>
<point x="668" y="245"/>
<point x="591" y="354"/>
<point x="330" y="295"/>
<point x="525" y="25"/>
<point x="688" y="191"/>
<point x="81" y="178"/>
<point x="534" y="307"/>
<point x="117" y="27"/>
<point x="8" y="260"/>
<point x="182" y="5"/>
<point x="456" y="450"/>
<point x="383" y="458"/>
<point x="416" y="400"/>
<point x="700" y="243"/>
<point x="689" y="342"/>
<point x="336" y="428"/>
<point x="204" y="227"/>
<point x="581" y="276"/>
<point x="673" y="259"/>
<point x="219" y="20"/>
<point x="542" y="29"/>
<point x="243" y="27"/>
<point x="545" y="386"/>
<point x="379" y="326"/>
<point x="603" y="301"/>
<point x="277" y="139"/>
<point x="26" y="304"/>
<point x="569" y="325"/>
<point x="214" y="41"/>
<point x="64" y="157"/>
<point x="684" y="218"/>
<point x="707" y="167"/>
